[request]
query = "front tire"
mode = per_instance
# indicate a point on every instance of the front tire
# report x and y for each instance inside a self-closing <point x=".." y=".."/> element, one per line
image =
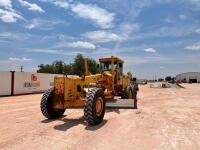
<point x="46" y="105"/>
<point x="94" y="106"/>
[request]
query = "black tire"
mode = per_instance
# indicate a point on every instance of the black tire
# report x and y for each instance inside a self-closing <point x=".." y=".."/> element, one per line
<point x="90" y="112"/>
<point x="46" y="105"/>
<point x="135" y="89"/>
<point x="125" y="94"/>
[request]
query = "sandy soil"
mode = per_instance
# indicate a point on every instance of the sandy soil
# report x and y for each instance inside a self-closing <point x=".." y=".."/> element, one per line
<point x="166" y="119"/>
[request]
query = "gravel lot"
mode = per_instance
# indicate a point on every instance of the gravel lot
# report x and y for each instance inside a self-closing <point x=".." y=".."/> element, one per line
<point x="166" y="119"/>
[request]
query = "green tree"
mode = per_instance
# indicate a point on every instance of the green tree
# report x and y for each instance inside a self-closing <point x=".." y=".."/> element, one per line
<point x="168" y="78"/>
<point x="68" y="69"/>
<point x="78" y="65"/>
<point x="75" y="68"/>
<point x="92" y="66"/>
<point x="58" y="67"/>
<point x="45" y="68"/>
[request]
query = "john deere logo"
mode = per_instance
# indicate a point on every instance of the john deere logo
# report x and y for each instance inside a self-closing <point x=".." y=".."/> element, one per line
<point x="33" y="77"/>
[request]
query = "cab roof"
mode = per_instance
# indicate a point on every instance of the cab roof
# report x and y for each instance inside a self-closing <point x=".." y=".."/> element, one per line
<point x="109" y="59"/>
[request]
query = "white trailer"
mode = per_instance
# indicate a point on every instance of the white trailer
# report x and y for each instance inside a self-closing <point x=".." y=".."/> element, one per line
<point x="5" y="83"/>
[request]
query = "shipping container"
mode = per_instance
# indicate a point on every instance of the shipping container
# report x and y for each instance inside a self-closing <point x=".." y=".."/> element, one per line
<point x="5" y="83"/>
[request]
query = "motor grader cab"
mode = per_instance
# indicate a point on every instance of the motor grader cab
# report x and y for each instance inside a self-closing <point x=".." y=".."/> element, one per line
<point x="114" y="66"/>
<point x="89" y="91"/>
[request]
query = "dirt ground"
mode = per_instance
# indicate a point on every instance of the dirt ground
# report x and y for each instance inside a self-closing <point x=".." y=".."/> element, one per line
<point x="166" y="119"/>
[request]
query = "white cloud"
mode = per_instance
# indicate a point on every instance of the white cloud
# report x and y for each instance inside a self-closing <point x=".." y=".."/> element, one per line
<point x="195" y="47"/>
<point x="195" y="3"/>
<point x="6" y="4"/>
<point x="130" y="60"/>
<point x="162" y="67"/>
<point x="55" y="52"/>
<point x="130" y="9"/>
<point x="49" y="51"/>
<point x="169" y="31"/>
<point x="14" y="36"/>
<point x="60" y="3"/>
<point x="42" y="24"/>
<point x="128" y="28"/>
<point x="168" y="20"/>
<point x="151" y="50"/>
<point x="103" y="36"/>
<point x="31" y="25"/>
<point x="81" y="44"/>
<point x="31" y="6"/>
<point x="9" y="16"/>
<point x="99" y="16"/>
<point x="23" y="59"/>
<point x="198" y="30"/>
<point x="182" y="17"/>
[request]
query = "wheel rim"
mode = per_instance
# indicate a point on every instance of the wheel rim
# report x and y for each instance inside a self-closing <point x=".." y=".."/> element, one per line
<point x="99" y="106"/>
<point x="130" y="95"/>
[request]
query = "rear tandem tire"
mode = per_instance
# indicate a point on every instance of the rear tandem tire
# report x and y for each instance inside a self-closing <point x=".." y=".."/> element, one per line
<point x="133" y="89"/>
<point x="94" y="106"/>
<point x="46" y="105"/>
<point x="126" y="92"/>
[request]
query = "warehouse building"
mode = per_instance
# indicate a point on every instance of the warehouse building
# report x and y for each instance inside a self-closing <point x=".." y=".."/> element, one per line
<point x="189" y="77"/>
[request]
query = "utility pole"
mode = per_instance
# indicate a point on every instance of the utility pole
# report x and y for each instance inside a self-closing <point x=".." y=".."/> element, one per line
<point x="21" y="68"/>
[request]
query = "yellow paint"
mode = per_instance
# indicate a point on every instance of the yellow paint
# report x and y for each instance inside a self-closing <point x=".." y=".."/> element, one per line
<point x="99" y="106"/>
<point x="86" y="67"/>
<point x="69" y="91"/>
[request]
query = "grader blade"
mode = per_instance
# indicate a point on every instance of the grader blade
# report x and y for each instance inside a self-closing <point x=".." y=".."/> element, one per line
<point x="121" y="104"/>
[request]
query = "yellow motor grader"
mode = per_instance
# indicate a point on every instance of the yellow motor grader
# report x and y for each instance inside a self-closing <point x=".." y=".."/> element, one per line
<point x="89" y="91"/>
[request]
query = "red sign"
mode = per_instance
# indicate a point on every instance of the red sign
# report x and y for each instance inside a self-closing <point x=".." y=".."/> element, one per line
<point x="33" y="77"/>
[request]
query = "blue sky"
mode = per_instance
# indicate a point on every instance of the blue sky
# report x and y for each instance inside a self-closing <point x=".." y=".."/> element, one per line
<point x="154" y="37"/>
